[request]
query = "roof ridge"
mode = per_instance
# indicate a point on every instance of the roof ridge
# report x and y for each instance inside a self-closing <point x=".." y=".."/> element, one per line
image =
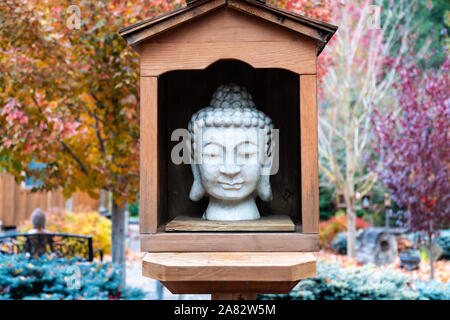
<point x="323" y="31"/>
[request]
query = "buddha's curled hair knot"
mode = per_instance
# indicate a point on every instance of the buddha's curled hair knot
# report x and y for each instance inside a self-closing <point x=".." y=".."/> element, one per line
<point x="231" y="106"/>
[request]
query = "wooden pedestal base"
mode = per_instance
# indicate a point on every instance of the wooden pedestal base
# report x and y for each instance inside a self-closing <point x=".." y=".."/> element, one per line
<point x="229" y="275"/>
<point x="270" y="223"/>
<point x="233" y="296"/>
<point x="206" y="287"/>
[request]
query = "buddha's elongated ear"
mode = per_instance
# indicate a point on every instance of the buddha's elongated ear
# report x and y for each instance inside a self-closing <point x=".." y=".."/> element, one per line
<point x="264" y="190"/>
<point x="197" y="190"/>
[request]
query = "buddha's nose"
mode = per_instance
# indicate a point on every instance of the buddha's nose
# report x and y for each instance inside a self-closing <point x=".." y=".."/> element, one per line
<point x="229" y="170"/>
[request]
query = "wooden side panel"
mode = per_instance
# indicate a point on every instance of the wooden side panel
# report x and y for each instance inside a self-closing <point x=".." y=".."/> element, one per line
<point x="23" y="202"/>
<point x="309" y="154"/>
<point x="227" y="34"/>
<point x="149" y="192"/>
<point x="83" y="202"/>
<point x="8" y="201"/>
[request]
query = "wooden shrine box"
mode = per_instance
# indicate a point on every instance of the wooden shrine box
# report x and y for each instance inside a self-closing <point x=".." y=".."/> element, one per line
<point x="185" y="55"/>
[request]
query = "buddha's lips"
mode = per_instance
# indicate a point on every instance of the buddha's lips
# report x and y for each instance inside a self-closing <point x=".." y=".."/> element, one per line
<point x="231" y="186"/>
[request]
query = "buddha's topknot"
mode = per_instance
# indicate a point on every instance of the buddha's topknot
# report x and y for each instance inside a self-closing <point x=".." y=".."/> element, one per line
<point x="231" y="105"/>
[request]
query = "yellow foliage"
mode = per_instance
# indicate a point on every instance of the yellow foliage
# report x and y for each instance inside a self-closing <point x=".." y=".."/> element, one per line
<point x="82" y="223"/>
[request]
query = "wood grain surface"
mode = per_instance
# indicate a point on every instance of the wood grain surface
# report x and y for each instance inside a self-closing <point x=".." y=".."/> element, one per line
<point x="227" y="35"/>
<point x="309" y="153"/>
<point x="230" y="266"/>
<point x="229" y="242"/>
<point x="269" y="223"/>
<point x="149" y="192"/>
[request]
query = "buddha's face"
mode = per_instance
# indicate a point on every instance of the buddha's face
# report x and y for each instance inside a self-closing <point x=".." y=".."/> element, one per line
<point x="230" y="161"/>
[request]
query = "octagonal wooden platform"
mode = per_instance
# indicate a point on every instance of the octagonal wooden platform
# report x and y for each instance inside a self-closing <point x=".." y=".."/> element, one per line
<point x="229" y="272"/>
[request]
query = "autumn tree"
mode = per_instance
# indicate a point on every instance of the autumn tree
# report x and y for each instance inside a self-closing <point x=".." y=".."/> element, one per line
<point x="317" y="9"/>
<point x="69" y="98"/>
<point x="414" y="148"/>
<point x="364" y="56"/>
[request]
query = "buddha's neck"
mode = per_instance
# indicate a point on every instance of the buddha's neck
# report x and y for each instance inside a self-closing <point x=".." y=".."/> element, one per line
<point x="221" y="210"/>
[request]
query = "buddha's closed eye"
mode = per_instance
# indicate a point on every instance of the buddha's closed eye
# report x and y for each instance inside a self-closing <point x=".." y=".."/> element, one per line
<point x="246" y="155"/>
<point x="247" y="150"/>
<point x="212" y="151"/>
<point x="211" y="155"/>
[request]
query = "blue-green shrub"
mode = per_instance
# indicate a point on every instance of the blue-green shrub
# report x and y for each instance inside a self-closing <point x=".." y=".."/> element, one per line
<point x="363" y="283"/>
<point x="444" y="242"/>
<point x="432" y="290"/>
<point x="60" y="279"/>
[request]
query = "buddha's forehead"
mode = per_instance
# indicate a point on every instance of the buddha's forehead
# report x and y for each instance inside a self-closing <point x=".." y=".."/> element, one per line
<point x="231" y="136"/>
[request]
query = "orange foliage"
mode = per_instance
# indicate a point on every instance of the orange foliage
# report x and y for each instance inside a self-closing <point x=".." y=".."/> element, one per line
<point x="330" y="228"/>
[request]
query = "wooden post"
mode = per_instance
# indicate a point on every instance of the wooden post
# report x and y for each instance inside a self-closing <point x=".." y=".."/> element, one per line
<point x="309" y="154"/>
<point x="149" y="192"/>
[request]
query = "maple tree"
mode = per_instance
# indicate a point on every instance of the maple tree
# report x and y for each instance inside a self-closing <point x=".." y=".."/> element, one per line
<point x="69" y="98"/>
<point x="414" y="148"/>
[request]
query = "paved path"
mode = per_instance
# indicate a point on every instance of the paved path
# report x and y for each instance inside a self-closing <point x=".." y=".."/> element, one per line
<point x="150" y="286"/>
<point x="135" y="279"/>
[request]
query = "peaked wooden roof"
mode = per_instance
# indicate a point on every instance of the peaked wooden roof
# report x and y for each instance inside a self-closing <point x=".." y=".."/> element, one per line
<point x="315" y="29"/>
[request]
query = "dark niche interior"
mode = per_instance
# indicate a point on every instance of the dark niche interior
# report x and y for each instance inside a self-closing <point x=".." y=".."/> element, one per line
<point x="181" y="93"/>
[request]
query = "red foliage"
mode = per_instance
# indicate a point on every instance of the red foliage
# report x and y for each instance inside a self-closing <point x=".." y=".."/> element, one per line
<point x="414" y="147"/>
<point x="322" y="10"/>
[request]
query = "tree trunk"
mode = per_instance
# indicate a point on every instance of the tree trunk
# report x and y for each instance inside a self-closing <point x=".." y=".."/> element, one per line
<point x="351" y="231"/>
<point x="430" y="254"/>
<point x="118" y="238"/>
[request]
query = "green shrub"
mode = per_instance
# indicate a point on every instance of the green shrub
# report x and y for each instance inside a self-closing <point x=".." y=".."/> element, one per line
<point x="363" y="283"/>
<point x="134" y="209"/>
<point x="60" y="279"/>
<point x="326" y="203"/>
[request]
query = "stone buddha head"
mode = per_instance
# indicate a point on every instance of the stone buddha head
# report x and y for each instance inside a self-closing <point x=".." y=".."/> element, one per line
<point x="231" y="155"/>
